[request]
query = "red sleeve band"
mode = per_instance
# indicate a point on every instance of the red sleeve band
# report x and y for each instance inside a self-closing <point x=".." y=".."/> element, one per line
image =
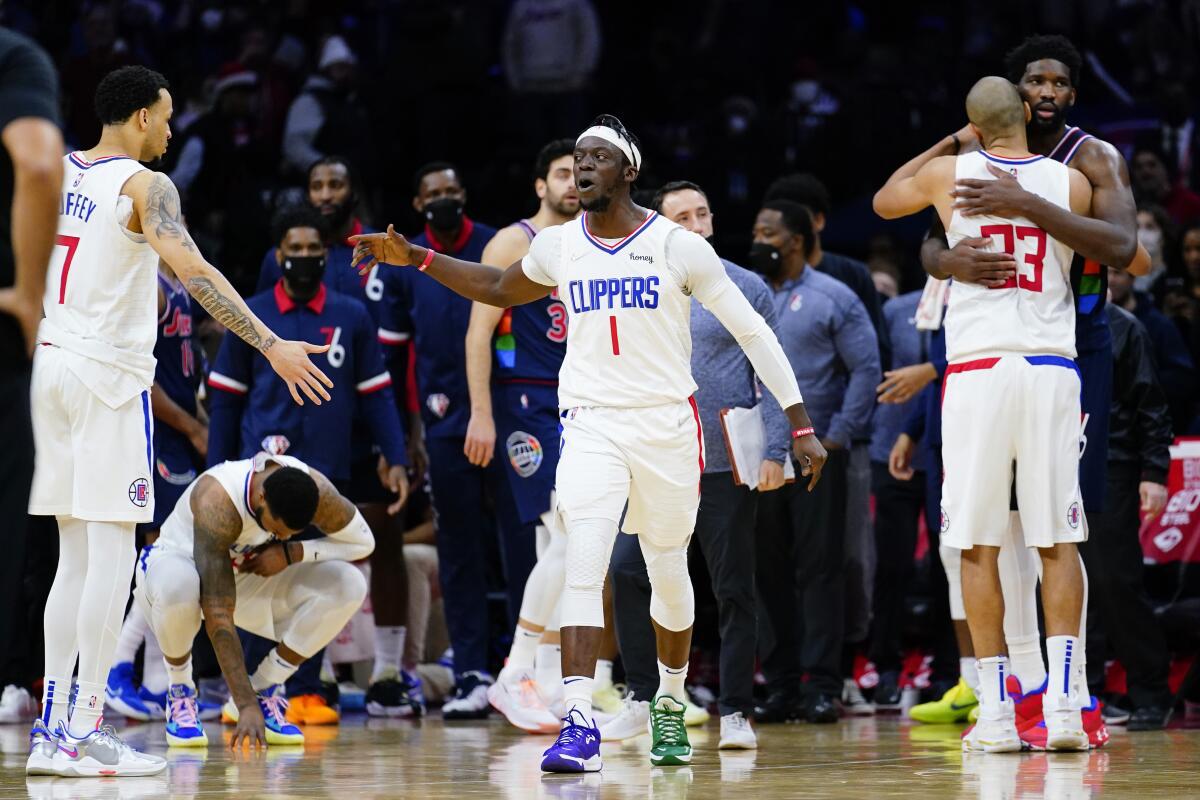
<point x="425" y="262"/>
<point x="796" y="434"/>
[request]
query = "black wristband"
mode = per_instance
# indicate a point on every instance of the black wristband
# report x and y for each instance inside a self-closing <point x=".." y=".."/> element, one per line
<point x="957" y="143"/>
<point x="287" y="552"/>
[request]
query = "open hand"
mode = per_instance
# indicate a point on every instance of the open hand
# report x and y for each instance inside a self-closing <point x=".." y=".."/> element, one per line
<point x="811" y="456"/>
<point x="901" y="385"/>
<point x="1002" y="197"/>
<point x="974" y="261"/>
<point x="290" y="361"/>
<point x="251" y="728"/>
<point x="380" y="248"/>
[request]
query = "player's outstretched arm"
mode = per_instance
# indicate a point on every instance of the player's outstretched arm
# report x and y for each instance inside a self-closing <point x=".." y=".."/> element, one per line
<point x="217" y="526"/>
<point x="156" y="201"/>
<point x="916" y="184"/>
<point x="1108" y="234"/>
<point x="496" y="287"/>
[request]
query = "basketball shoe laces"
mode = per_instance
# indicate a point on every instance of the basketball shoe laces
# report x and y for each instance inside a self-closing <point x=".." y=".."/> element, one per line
<point x="276" y="707"/>
<point x="183" y="711"/>
<point x="573" y="733"/>
<point x="670" y="725"/>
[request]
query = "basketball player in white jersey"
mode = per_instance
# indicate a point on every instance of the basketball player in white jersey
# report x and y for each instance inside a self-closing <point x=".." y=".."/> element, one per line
<point x="92" y="373"/>
<point x="631" y="431"/>
<point x="1011" y="394"/>
<point x="517" y="692"/>
<point x="226" y="552"/>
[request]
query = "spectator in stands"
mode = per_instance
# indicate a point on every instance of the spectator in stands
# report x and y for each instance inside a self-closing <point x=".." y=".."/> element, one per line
<point x="103" y="52"/>
<point x="1138" y="459"/>
<point x="1176" y="372"/>
<point x="1155" y="234"/>
<point x="1153" y="183"/>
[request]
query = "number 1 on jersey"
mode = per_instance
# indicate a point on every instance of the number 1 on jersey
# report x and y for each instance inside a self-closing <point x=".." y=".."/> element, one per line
<point x="612" y="329"/>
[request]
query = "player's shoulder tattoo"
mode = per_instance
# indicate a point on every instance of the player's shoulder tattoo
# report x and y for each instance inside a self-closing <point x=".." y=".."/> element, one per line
<point x="213" y="512"/>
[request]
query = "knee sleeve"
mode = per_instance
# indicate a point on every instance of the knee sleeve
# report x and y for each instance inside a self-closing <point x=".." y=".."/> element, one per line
<point x="171" y="591"/>
<point x="672" y="603"/>
<point x="589" y="545"/>
<point x="952" y="563"/>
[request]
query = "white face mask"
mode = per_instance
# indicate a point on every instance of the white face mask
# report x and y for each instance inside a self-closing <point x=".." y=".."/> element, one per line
<point x="1152" y="241"/>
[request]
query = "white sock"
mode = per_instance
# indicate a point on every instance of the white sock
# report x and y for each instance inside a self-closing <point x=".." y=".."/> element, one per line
<point x="548" y="669"/>
<point x="180" y="674"/>
<point x="1025" y="653"/>
<point x="523" y="653"/>
<point x="56" y="701"/>
<point x="603" y="672"/>
<point x="992" y="692"/>
<point x="1062" y="651"/>
<point x="273" y="670"/>
<point x="328" y="674"/>
<point x="389" y="647"/>
<point x="577" y="694"/>
<point x="133" y="630"/>
<point x="670" y="681"/>
<point x="969" y="672"/>
<point x="88" y="708"/>
<point x="154" y="669"/>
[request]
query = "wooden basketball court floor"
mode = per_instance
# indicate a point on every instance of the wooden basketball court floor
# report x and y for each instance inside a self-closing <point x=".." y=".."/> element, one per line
<point x="883" y="757"/>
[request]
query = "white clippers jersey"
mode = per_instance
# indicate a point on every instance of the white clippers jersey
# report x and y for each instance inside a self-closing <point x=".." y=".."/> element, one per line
<point x="629" y="342"/>
<point x="102" y="283"/>
<point x="1035" y="313"/>
<point x="178" y="531"/>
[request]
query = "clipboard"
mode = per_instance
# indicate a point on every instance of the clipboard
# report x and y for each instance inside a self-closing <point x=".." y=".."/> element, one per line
<point x="745" y="437"/>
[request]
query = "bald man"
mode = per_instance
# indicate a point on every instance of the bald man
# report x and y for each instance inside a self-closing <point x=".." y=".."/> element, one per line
<point x="1011" y="394"/>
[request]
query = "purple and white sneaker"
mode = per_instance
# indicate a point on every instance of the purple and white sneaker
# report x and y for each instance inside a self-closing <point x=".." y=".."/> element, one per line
<point x="577" y="748"/>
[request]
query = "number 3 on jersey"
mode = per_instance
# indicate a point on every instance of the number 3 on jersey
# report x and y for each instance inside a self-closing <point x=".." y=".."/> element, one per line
<point x="1009" y="234"/>
<point x="557" y="332"/>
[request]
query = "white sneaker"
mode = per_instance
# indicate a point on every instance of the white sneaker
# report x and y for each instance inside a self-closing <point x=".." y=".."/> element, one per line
<point x="17" y="705"/>
<point x="516" y="697"/>
<point x="853" y="701"/>
<point x="632" y="720"/>
<point x="736" y="733"/>
<point x="102" y="754"/>
<point x="42" y="747"/>
<point x="995" y="731"/>
<point x="1064" y="724"/>
<point x="470" y="699"/>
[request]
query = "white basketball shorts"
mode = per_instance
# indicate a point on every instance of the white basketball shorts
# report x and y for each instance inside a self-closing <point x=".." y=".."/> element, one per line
<point x="997" y="412"/>
<point x="651" y="457"/>
<point x="93" y="462"/>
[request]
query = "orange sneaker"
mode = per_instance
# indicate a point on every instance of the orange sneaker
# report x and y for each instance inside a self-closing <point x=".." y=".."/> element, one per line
<point x="311" y="709"/>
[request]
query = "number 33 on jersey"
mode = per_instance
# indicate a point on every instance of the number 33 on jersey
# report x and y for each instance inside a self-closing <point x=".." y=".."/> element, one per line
<point x="1034" y="311"/>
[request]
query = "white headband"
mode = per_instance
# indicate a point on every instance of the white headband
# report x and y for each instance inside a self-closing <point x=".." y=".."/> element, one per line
<point x="609" y="135"/>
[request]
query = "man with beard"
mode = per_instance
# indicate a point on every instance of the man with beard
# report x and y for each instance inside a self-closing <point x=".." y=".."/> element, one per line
<point x="247" y="416"/>
<point x="800" y="541"/>
<point x="529" y="345"/>
<point x="631" y="428"/>
<point x="437" y="319"/>
<point x="1045" y="70"/>
<point x="333" y="191"/>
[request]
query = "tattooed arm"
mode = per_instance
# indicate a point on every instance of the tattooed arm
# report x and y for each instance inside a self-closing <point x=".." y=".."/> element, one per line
<point x="158" y="213"/>
<point x="217" y="526"/>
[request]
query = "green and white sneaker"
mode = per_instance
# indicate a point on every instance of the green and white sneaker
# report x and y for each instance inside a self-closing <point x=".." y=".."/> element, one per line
<point x="669" y="745"/>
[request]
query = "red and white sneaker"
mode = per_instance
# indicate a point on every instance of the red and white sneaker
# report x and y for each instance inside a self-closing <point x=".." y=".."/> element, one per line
<point x="1035" y="735"/>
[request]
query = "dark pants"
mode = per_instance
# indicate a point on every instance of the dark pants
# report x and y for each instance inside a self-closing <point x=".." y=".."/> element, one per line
<point x="16" y="476"/>
<point x="462" y="493"/>
<point x="898" y="508"/>
<point x="1118" y="609"/>
<point x="801" y="556"/>
<point x="724" y="532"/>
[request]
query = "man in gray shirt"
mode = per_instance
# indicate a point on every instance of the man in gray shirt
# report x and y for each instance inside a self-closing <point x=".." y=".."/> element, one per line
<point x="801" y="535"/>
<point x="725" y="521"/>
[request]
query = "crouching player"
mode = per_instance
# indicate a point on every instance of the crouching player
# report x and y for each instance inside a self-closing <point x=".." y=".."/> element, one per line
<point x="225" y="553"/>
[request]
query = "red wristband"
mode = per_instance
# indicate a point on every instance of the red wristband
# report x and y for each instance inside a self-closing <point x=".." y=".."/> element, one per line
<point x="796" y="434"/>
<point x="425" y="262"/>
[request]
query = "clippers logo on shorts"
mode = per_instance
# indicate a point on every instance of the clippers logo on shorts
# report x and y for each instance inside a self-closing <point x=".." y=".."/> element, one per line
<point x="438" y="404"/>
<point x="276" y="444"/>
<point x="1074" y="515"/>
<point x="524" y="453"/>
<point x="139" y="492"/>
<point x="175" y="478"/>
<point x="945" y="521"/>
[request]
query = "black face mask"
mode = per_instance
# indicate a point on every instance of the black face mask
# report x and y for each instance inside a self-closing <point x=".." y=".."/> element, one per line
<point x="444" y="214"/>
<point x="765" y="259"/>
<point x="303" y="275"/>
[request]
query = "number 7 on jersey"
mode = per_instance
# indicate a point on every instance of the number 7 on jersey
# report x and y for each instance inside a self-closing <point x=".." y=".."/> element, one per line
<point x="72" y="244"/>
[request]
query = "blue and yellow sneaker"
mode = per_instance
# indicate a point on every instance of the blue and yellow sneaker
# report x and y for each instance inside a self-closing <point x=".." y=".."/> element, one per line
<point x="577" y="748"/>
<point x="274" y="710"/>
<point x="183" y="723"/>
